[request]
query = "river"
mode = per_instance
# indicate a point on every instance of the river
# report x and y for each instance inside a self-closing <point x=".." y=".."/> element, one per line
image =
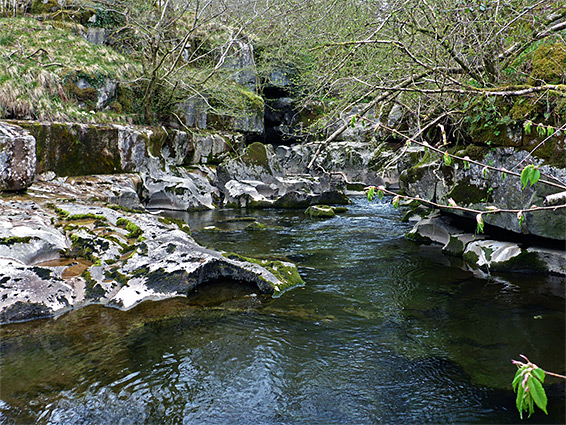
<point x="384" y="331"/>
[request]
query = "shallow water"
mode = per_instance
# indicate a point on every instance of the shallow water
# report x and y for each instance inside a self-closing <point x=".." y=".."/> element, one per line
<point x="385" y="331"/>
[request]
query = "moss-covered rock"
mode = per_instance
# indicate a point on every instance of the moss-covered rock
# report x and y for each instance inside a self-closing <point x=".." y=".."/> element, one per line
<point x="549" y="64"/>
<point x="286" y="273"/>
<point x="320" y="211"/>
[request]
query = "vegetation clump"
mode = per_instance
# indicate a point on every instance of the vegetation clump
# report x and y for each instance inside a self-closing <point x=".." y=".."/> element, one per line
<point x="133" y="229"/>
<point x="12" y="240"/>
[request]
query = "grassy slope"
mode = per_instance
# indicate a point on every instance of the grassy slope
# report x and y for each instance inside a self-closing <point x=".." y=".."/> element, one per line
<point x="37" y="61"/>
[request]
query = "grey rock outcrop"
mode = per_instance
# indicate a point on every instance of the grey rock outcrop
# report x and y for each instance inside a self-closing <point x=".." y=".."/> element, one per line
<point x="17" y="158"/>
<point x="56" y="256"/>
<point x="486" y="254"/>
<point x="475" y="187"/>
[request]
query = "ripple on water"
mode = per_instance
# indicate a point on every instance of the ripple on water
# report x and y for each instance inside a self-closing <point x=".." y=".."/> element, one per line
<point x="384" y="332"/>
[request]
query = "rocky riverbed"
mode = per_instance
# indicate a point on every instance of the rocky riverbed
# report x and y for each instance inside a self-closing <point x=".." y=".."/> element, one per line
<point x="71" y="234"/>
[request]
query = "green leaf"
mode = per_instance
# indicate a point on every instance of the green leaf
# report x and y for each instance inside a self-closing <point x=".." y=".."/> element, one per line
<point x="466" y="165"/>
<point x="527" y="126"/>
<point x="479" y="220"/>
<point x="534" y="176"/>
<point x="538" y="394"/>
<point x="539" y="374"/>
<point x="380" y="194"/>
<point x="353" y="121"/>
<point x="503" y="175"/>
<point x="371" y="193"/>
<point x="525" y="175"/>
<point x="395" y="202"/>
<point x="549" y="131"/>
<point x="447" y="159"/>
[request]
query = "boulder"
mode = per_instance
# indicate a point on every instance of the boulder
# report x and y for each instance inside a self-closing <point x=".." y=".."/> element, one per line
<point x="502" y="256"/>
<point x="435" y="229"/>
<point x="17" y="158"/>
<point x="320" y="211"/>
<point x="457" y="243"/>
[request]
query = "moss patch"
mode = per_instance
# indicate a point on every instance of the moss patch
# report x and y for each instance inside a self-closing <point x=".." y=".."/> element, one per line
<point x="286" y="273"/>
<point x="12" y="240"/>
<point x="320" y="211"/>
<point x="256" y="155"/>
<point x="134" y="230"/>
<point x="549" y="64"/>
<point x="93" y="290"/>
<point x="465" y="193"/>
<point x="180" y="223"/>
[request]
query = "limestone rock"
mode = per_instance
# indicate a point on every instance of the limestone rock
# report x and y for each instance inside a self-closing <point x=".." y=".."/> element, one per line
<point x="457" y="243"/>
<point x="17" y="158"/>
<point x="474" y="188"/>
<point x="502" y="256"/>
<point x="112" y="257"/>
<point x="434" y="229"/>
<point x="553" y="259"/>
<point x="320" y="211"/>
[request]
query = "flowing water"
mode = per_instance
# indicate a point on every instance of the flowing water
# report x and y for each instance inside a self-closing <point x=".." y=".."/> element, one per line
<point x="384" y="331"/>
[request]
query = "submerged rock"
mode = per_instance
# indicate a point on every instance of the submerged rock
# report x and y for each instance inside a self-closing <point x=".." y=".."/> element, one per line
<point x="320" y="211"/>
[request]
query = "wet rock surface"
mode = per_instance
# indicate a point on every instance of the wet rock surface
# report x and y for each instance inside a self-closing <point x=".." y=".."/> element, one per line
<point x="489" y="255"/>
<point x="475" y="187"/>
<point x="61" y="248"/>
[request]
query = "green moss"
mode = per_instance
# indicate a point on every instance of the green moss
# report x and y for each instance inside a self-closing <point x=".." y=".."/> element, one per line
<point x="88" y="95"/>
<point x="256" y="226"/>
<point x="476" y="152"/>
<point x="549" y="64"/>
<point x="134" y="230"/>
<point x="524" y="108"/>
<point x="466" y="193"/>
<point x="320" y="211"/>
<point x="142" y="271"/>
<point x="116" y="207"/>
<point x="413" y="174"/>
<point x="12" y="240"/>
<point x="256" y="155"/>
<point x="251" y="100"/>
<point x="180" y="223"/>
<point x="61" y="213"/>
<point x="156" y="141"/>
<point x="114" y="274"/>
<point x="70" y="227"/>
<point x="86" y="216"/>
<point x="86" y="248"/>
<point x="286" y="273"/>
<point x="471" y="257"/>
<point x="93" y="290"/>
<point x="40" y="7"/>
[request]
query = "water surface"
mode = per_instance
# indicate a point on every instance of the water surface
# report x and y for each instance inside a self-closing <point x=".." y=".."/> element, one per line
<point x="385" y="331"/>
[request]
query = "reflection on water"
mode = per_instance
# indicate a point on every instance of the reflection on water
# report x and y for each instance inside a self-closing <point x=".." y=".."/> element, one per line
<point x="385" y="331"/>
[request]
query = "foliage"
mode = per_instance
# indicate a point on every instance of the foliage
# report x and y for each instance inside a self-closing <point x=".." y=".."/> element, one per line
<point x="528" y="386"/>
<point x="38" y="59"/>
